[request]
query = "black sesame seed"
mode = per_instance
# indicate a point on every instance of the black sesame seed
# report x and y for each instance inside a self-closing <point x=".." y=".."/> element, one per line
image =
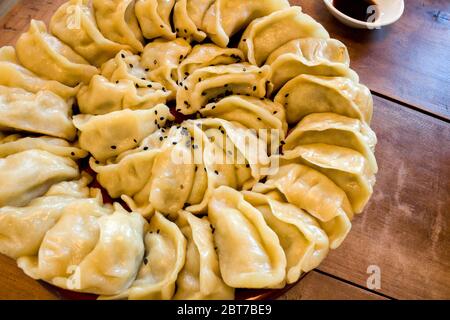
<point x="137" y="86"/>
<point x="244" y="40"/>
<point x="283" y="143"/>
<point x="275" y="112"/>
<point x="149" y="86"/>
<point x="286" y="95"/>
<point x="155" y="62"/>
<point x="156" y="112"/>
<point x="157" y="231"/>
<point x="145" y="261"/>
<point x="164" y="89"/>
<point x="203" y="94"/>
<point x="259" y="118"/>
<point x="145" y="148"/>
<point x="72" y="153"/>
<point x="161" y="118"/>
<point x="216" y="172"/>
<point x="147" y="69"/>
<point x="247" y="166"/>
<point x="131" y="65"/>
<point x="161" y="26"/>
<point x="254" y="88"/>
<point x="161" y="138"/>
<point x="97" y="162"/>
<point x="186" y="88"/>
<point x="174" y="143"/>
<point x="186" y="74"/>
<point x="123" y="56"/>
<point x="113" y="147"/>
<point x="134" y="140"/>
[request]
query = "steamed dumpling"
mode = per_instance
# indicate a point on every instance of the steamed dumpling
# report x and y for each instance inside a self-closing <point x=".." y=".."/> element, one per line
<point x="29" y="174"/>
<point x="109" y="135"/>
<point x="303" y="240"/>
<point x="16" y="143"/>
<point x="12" y="74"/>
<point x="43" y="112"/>
<point x="127" y="66"/>
<point x="314" y="192"/>
<point x="250" y="254"/>
<point x="22" y="229"/>
<point x="205" y="55"/>
<point x="117" y="21"/>
<point x="154" y="18"/>
<point x="264" y="35"/>
<point x="74" y="24"/>
<point x="225" y="18"/>
<point x="308" y="94"/>
<point x="103" y="96"/>
<point x="65" y="245"/>
<point x="250" y="112"/>
<point x="188" y="16"/>
<point x="48" y="57"/>
<point x="161" y="59"/>
<point x="315" y="56"/>
<point x="113" y="263"/>
<point x="210" y="84"/>
<point x="334" y="129"/>
<point x="165" y="253"/>
<point x="346" y="167"/>
<point x="200" y="278"/>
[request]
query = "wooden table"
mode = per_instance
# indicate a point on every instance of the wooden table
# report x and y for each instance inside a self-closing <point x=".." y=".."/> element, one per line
<point x="405" y="230"/>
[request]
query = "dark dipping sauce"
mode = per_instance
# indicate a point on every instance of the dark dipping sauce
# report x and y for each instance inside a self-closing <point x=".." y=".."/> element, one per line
<point x="356" y="9"/>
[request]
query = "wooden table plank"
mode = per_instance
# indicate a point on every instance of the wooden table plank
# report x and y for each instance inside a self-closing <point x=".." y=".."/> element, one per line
<point x="15" y="285"/>
<point x="406" y="228"/>
<point x="408" y="61"/>
<point x="317" y="286"/>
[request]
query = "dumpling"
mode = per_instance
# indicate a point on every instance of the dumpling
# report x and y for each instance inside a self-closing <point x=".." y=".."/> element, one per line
<point x="188" y="16"/>
<point x="161" y="58"/>
<point x="165" y="252"/>
<point x="43" y="112"/>
<point x="200" y="278"/>
<point x="112" y="265"/>
<point x="48" y="57"/>
<point x="103" y="96"/>
<point x="154" y="18"/>
<point x="250" y="254"/>
<point x="29" y="174"/>
<point x="126" y="66"/>
<point x="117" y="21"/>
<point x="65" y="245"/>
<point x="12" y="74"/>
<point x="16" y="143"/>
<point x="240" y="145"/>
<point x="109" y="135"/>
<point x="308" y="94"/>
<point x="225" y="18"/>
<point x="315" y="56"/>
<point x="334" y="129"/>
<point x="74" y="24"/>
<point x="206" y="55"/>
<point x="173" y="174"/>
<point x="250" y="112"/>
<point x="346" y="167"/>
<point x="210" y="84"/>
<point x="264" y="35"/>
<point x="128" y="175"/>
<point x="314" y="192"/>
<point x="303" y="240"/>
<point x="23" y="228"/>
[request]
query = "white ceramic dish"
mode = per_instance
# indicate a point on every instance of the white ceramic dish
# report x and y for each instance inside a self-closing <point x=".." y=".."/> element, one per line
<point x="389" y="11"/>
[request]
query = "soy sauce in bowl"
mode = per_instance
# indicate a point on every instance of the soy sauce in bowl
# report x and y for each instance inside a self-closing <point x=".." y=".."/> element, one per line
<point x="356" y="9"/>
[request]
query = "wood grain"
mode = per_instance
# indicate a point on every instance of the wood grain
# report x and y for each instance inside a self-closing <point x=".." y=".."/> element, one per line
<point x="316" y="286"/>
<point x="406" y="228"/>
<point x="407" y="61"/>
<point x="15" y="285"/>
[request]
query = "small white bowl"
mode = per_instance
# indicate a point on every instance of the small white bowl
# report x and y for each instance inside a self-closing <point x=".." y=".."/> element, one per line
<point x="389" y="11"/>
